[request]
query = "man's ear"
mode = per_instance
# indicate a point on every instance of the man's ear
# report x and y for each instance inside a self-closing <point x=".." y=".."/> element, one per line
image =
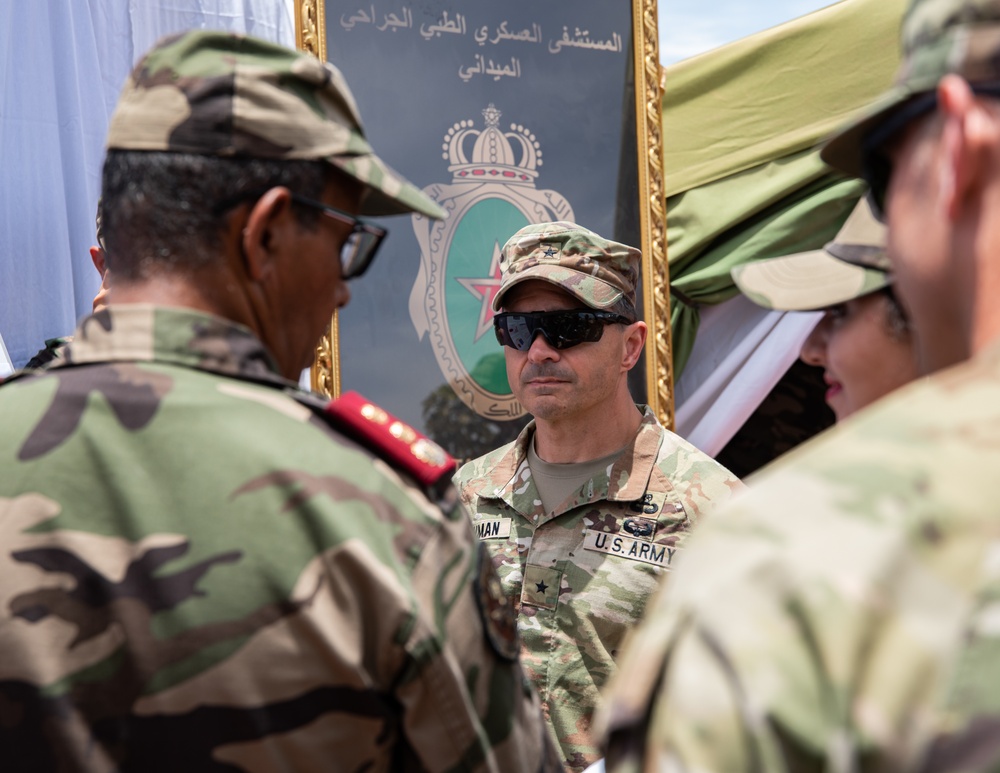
<point x="635" y="339"/>
<point x="266" y="226"/>
<point x="98" y="258"/>
<point x="965" y="137"/>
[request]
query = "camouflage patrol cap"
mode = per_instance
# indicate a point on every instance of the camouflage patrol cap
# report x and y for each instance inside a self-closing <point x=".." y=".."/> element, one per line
<point x="223" y="94"/>
<point x="853" y="264"/>
<point x="938" y="37"/>
<point x="595" y="270"/>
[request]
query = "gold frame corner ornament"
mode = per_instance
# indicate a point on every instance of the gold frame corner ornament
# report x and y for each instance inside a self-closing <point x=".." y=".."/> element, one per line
<point x="310" y="28"/>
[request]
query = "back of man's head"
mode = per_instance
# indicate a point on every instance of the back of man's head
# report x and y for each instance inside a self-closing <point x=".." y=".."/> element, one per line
<point x="928" y="149"/>
<point x="207" y="118"/>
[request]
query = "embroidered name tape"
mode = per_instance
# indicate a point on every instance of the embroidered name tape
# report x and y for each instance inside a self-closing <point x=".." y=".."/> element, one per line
<point x="493" y="528"/>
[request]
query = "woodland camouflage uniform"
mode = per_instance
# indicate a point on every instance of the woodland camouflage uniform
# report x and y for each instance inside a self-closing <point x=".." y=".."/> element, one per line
<point x="200" y="569"/>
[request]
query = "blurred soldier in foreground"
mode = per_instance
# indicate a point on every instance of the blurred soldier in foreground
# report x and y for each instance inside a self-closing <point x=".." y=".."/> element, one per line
<point x="201" y="567"/>
<point x="863" y="342"/>
<point x="589" y="507"/>
<point x="843" y="615"/>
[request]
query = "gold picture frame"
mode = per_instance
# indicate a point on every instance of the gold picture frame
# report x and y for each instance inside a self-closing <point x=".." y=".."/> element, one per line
<point x="312" y="18"/>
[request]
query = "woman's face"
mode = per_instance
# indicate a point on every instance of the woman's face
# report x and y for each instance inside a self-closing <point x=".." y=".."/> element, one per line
<point x="862" y="358"/>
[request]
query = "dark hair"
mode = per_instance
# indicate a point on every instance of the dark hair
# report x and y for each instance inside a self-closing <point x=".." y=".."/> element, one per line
<point x="897" y="323"/>
<point x="624" y="306"/>
<point x="160" y="210"/>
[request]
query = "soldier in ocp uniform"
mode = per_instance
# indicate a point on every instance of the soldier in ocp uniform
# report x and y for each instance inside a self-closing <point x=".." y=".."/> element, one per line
<point x="843" y="615"/>
<point x="201" y="566"/>
<point x="587" y="509"/>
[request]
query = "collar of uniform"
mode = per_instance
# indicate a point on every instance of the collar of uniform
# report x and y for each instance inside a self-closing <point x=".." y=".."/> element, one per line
<point x="630" y="475"/>
<point x="626" y="483"/>
<point x="509" y="479"/>
<point x="146" y="333"/>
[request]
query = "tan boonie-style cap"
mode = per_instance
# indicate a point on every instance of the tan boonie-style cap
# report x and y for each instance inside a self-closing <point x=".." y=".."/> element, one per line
<point x="223" y="94"/>
<point x="938" y="37"/>
<point x="853" y="264"/>
<point x="597" y="271"/>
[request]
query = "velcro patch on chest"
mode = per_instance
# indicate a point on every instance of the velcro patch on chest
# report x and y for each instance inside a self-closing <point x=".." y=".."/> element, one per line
<point x="492" y="528"/>
<point x="628" y="547"/>
<point x="541" y="586"/>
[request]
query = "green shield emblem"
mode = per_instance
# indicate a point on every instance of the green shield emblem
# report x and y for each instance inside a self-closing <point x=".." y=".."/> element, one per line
<point x="491" y="196"/>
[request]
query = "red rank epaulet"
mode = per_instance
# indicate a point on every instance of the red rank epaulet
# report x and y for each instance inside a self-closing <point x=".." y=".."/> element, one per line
<point x="393" y="440"/>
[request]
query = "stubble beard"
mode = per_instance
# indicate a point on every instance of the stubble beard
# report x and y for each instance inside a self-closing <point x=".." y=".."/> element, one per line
<point x="539" y="403"/>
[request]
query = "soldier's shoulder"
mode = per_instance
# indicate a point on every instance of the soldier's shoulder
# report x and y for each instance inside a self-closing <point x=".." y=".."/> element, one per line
<point x="476" y="469"/>
<point x="386" y="437"/>
<point x="51" y="352"/>
<point x="674" y="445"/>
<point x="684" y="463"/>
<point x="918" y="461"/>
<point x="935" y="429"/>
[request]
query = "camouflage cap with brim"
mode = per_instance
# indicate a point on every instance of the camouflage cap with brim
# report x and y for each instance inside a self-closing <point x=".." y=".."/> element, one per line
<point x="597" y="271"/>
<point x="852" y="265"/>
<point x="223" y="94"/>
<point x="938" y="37"/>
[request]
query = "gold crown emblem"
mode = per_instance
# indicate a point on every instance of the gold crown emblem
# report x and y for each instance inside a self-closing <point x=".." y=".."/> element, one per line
<point x="493" y="157"/>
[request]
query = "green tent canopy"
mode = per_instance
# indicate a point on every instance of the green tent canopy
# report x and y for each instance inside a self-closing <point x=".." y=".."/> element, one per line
<point x="741" y="130"/>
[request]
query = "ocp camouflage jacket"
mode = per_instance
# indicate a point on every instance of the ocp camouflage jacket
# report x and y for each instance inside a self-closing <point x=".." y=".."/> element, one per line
<point x="581" y="575"/>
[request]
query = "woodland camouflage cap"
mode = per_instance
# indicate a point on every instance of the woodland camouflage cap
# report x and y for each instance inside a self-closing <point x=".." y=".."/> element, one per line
<point x="597" y="271"/>
<point x="853" y="264"/>
<point x="938" y="37"/>
<point x="222" y="94"/>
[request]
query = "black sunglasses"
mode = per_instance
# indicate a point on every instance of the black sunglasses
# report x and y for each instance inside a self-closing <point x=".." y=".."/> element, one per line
<point x="876" y="168"/>
<point x="562" y="329"/>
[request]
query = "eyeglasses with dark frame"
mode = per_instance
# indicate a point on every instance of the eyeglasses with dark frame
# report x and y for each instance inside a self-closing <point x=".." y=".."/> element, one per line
<point x="876" y="168"/>
<point x="562" y="329"/>
<point x="362" y="242"/>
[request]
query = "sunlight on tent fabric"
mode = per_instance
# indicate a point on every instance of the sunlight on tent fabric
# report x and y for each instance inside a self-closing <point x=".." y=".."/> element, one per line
<point x="775" y="92"/>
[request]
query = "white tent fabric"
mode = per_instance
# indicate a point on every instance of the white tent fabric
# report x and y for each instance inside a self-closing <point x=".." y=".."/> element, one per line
<point x="740" y="354"/>
<point x="6" y="366"/>
<point x="62" y="65"/>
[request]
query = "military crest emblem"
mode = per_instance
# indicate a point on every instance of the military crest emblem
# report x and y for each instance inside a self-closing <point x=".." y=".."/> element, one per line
<point x="492" y="194"/>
